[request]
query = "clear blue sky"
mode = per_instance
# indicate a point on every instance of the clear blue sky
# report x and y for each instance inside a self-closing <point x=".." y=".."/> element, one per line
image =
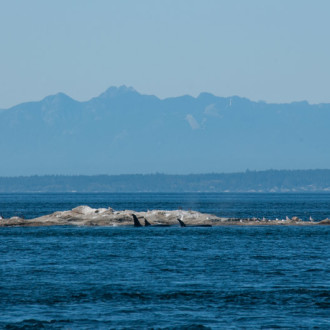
<point x="274" y="50"/>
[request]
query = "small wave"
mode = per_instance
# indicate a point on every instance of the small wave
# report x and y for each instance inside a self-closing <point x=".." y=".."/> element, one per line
<point x="188" y="327"/>
<point x="36" y="324"/>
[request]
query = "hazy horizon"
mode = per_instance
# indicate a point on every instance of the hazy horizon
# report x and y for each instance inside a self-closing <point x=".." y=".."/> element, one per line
<point x="160" y="98"/>
<point x="123" y="131"/>
<point x="221" y="86"/>
<point x="274" y="51"/>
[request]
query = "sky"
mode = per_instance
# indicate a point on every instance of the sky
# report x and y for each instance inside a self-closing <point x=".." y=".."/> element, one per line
<point x="274" y="50"/>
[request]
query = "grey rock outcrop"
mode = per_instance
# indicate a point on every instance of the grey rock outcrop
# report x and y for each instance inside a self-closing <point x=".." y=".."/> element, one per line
<point x="86" y="216"/>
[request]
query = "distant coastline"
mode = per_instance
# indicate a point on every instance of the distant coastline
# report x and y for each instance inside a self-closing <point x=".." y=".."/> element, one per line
<point x="269" y="181"/>
<point x="124" y="131"/>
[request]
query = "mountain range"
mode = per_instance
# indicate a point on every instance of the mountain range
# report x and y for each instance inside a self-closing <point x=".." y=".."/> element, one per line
<point x="123" y="131"/>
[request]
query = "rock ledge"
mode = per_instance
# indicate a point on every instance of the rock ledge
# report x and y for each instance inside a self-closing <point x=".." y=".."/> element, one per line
<point x="86" y="216"/>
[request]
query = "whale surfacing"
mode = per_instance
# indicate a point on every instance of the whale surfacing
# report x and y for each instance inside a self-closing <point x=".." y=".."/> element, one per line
<point x="136" y="221"/>
<point x="146" y="223"/>
<point x="182" y="224"/>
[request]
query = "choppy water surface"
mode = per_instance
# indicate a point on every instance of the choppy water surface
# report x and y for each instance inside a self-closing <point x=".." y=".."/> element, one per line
<point x="224" y="277"/>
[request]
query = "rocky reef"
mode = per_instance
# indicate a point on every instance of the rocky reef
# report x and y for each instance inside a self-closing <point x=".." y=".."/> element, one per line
<point x="87" y="216"/>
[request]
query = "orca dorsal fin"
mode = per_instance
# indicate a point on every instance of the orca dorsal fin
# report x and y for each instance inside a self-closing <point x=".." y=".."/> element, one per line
<point x="182" y="224"/>
<point x="136" y="221"/>
<point x="146" y="223"/>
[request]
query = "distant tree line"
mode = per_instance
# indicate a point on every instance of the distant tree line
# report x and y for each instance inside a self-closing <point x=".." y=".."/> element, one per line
<point x="249" y="181"/>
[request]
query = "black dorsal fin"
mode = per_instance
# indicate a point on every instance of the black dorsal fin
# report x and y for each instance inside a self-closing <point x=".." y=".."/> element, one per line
<point x="136" y="221"/>
<point x="146" y="223"/>
<point x="182" y="224"/>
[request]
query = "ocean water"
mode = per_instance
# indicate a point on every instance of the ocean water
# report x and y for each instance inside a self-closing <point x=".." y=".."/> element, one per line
<point x="171" y="278"/>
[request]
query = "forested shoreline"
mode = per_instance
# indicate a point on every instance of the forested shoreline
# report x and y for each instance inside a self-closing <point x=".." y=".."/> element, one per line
<point x="248" y="181"/>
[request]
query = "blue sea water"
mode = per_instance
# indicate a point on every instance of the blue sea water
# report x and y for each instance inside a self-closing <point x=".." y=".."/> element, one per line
<point x="219" y="277"/>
